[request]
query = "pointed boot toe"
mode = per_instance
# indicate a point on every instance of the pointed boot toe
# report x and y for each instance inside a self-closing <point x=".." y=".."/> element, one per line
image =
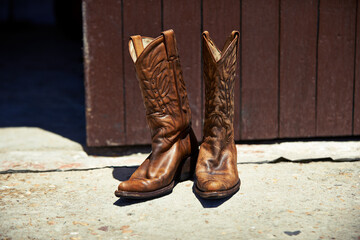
<point x="212" y="185"/>
<point x="215" y="187"/>
<point x="138" y="190"/>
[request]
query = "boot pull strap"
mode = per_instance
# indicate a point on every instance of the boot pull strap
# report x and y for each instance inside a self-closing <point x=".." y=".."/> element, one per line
<point x="215" y="52"/>
<point x="206" y="36"/>
<point x="234" y="34"/>
<point x="170" y="44"/>
<point x="138" y="45"/>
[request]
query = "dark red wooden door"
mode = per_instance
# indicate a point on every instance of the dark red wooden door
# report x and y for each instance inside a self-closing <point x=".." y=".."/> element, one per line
<point x="298" y="73"/>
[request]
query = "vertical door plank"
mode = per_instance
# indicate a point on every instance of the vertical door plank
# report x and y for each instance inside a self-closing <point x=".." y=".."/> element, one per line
<point x="220" y="18"/>
<point x="298" y="37"/>
<point x="184" y="17"/>
<point x="141" y="17"/>
<point x="260" y="56"/>
<point x="103" y="73"/>
<point x="335" y="67"/>
<point x="356" y="121"/>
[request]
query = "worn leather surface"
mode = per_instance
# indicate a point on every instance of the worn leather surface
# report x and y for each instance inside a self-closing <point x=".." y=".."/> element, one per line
<point x="216" y="166"/>
<point x="167" y="111"/>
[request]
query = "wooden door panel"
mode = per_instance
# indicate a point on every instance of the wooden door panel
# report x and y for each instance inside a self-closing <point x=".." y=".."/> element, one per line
<point x="105" y="112"/>
<point x="298" y="43"/>
<point x="335" y="68"/>
<point x="259" y="63"/>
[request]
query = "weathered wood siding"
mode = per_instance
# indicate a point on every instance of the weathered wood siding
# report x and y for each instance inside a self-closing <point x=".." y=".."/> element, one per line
<point x="298" y="73"/>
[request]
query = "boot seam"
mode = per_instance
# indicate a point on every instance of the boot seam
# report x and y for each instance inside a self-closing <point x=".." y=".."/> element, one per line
<point x="172" y="63"/>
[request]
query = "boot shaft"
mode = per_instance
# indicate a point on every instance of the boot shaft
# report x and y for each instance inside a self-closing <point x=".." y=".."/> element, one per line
<point x="162" y="86"/>
<point x="219" y="77"/>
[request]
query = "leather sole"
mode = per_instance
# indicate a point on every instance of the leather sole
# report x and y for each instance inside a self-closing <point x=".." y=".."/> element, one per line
<point x="217" y="194"/>
<point x="146" y="195"/>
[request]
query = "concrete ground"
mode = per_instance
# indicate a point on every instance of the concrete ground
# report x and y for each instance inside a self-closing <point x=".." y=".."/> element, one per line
<point x="317" y="200"/>
<point x="53" y="187"/>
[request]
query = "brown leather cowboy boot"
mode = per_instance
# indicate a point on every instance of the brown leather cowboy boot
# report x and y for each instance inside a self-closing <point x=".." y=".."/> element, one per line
<point x="174" y="145"/>
<point x="216" y="171"/>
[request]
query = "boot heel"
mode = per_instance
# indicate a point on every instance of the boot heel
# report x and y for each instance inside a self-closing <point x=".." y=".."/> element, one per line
<point x="187" y="168"/>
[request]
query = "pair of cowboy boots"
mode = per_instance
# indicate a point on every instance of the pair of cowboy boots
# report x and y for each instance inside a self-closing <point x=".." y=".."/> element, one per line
<point x="175" y="154"/>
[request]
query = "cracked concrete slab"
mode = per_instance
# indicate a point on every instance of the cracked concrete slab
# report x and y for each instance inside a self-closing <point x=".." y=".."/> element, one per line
<point x="317" y="200"/>
<point x="35" y="149"/>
